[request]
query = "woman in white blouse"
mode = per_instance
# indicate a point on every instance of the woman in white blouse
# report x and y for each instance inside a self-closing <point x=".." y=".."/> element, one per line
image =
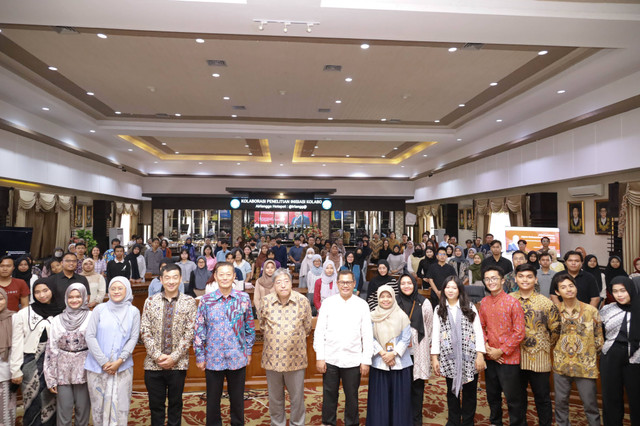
<point x="97" y="284"/>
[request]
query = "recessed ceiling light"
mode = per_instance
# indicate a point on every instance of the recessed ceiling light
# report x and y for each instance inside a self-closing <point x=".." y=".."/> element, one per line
<point x="199" y="40"/>
<point x="102" y="35"/>
<point x="251" y="153"/>
<point x="460" y="105"/>
<point x="364" y="46"/>
<point x="246" y="146"/>
<point x="118" y="112"/>
<point x="53" y="68"/>
<point x="313" y="155"/>
<point x="177" y="114"/>
<point x="237" y="164"/>
<point x="90" y="93"/>
<point x="281" y="164"/>
<point x="493" y="84"/>
<point x="45" y="108"/>
<point x="383" y="119"/>
<point x="560" y="92"/>
<point x="215" y="74"/>
<point x="324" y="165"/>
<point x="402" y="167"/>
<point x="459" y="140"/>
<point x="330" y="118"/>
<point x="436" y="121"/>
<point x="130" y="150"/>
<point x="348" y="79"/>
<point x="92" y="131"/>
<point x="155" y="162"/>
<point x="199" y="162"/>
<point x="383" y="156"/>
<point x="177" y="152"/>
<point x="424" y="155"/>
<point x="315" y="147"/>
<point x="499" y="120"/>
<point x="164" y="143"/>
<point x="453" y="49"/>
<point x="233" y="116"/>
<point x="395" y="147"/>
<point x="347" y="155"/>
<point x="226" y="98"/>
<point x="542" y="52"/>
<point x="338" y="101"/>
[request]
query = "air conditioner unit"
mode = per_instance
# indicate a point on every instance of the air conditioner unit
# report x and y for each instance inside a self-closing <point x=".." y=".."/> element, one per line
<point x="410" y="219"/>
<point x="587" y="191"/>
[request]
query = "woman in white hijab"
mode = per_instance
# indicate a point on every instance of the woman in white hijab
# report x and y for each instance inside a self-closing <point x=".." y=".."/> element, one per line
<point x="305" y="266"/>
<point x="389" y="399"/>
<point x="111" y="336"/>
<point x="66" y="354"/>
<point x="326" y="285"/>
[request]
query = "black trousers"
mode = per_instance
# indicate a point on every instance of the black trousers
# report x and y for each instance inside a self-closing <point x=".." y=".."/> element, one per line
<point x="617" y="375"/>
<point x="462" y="414"/>
<point x="505" y="378"/>
<point x="163" y="384"/>
<point x="330" y="384"/>
<point x="235" y="387"/>
<point x="541" y="388"/>
<point x="417" y="398"/>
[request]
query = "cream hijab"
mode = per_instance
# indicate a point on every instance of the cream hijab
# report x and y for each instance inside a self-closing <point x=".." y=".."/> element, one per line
<point x="388" y="323"/>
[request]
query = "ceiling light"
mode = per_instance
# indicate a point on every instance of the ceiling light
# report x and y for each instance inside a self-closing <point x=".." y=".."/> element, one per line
<point x="459" y="140"/>
<point x="395" y="147"/>
<point x="560" y="92"/>
<point x="493" y="84"/>
<point x="383" y="119"/>
<point x="118" y="112"/>
<point x="402" y="167"/>
<point x="424" y="155"/>
<point x="383" y="156"/>
<point x="90" y="93"/>
<point x="53" y="68"/>
<point x="102" y="35"/>
<point x="281" y="164"/>
<point x="347" y="155"/>
<point x="499" y="120"/>
<point x="542" y="52"/>
<point x="177" y="114"/>
<point x="251" y="153"/>
<point x="155" y="162"/>
<point x="199" y="162"/>
<point x="130" y="150"/>
<point x="237" y="164"/>
<point x="226" y="98"/>
<point x="177" y="152"/>
<point x="461" y="105"/>
<point x="348" y="79"/>
<point x="282" y="92"/>
<point x="92" y="131"/>
<point x="324" y="165"/>
<point x="313" y="155"/>
<point x="453" y="49"/>
<point x="234" y="116"/>
<point x="436" y="121"/>
<point x="364" y="46"/>
<point x="45" y="108"/>
<point x="286" y="27"/>
<point x="330" y="118"/>
<point x="199" y="40"/>
<point x="309" y="27"/>
<point x="316" y="147"/>
<point x="338" y="101"/>
<point x="215" y="74"/>
<point x="246" y="146"/>
<point x="164" y="143"/>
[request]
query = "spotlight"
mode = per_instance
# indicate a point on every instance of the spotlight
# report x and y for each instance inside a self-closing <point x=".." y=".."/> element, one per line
<point x="309" y="27"/>
<point x="286" y="27"/>
<point x="261" y="26"/>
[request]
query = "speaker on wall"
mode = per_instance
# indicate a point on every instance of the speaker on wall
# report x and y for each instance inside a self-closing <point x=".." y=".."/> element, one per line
<point x="614" y="199"/>
<point x="543" y="209"/>
<point x="450" y="217"/>
<point x="101" y="215"/>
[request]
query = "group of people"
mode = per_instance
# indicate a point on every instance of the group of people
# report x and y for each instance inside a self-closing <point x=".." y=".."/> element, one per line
<point x="72" y="352"/>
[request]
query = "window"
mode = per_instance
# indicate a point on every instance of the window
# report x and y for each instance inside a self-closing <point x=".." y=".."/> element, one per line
<point x="497" y="224"/>
<point x="125" y="224"/>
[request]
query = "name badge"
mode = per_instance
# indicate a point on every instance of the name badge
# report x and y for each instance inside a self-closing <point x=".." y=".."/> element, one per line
<point x="389" y="347"/>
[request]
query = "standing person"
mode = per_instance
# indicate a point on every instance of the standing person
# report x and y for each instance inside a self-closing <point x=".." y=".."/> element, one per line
<point x="315" y="273"/>
<point x="475" y="270"/>
<point x="223" y="341"/>
<point x="457" y="350"/>
<point x="376" y="245"/>
<point x="414" y="259"/>
<point x="7" y="397"/>
<point x="137" y="262"/>
<point x="281" y="253"/>
<point x="389" y="397"/>
<point x="110" y="254"/>
<point x="221" y="254"/>
<point x="295" y="254"/>
<point x="542" y="328"/>
<point x="17" y="290"/>
<point x="199" y="277"/>
<point x="66" y="354"/>
<point x="97" y="283"/>
<point x="244" y="266"/>
<point x="575" y="354"/>
<point x="99" y="262"/>
<point x="112" y="334"/>
<point x="153" y="257"/>
<point x="28" y="347"/>
<point x="264" y="285"/>
<point x="495" y="258"/>
<point x="164" y="248"/>
<point x="585" y="282"/>
<point x="518" y="258"/>
<point x="207" y="252"/>
<point x="614" y="269"/>
<point x="335" y="256"/>
<point x="396" y="261"/>
<point x="351" y="265"/>
<point x="190" y="248"/>
<point x="186" y="266"/>
<point x="591" y="266"/>
<point x="81" y="250"/>
<point x="305" y="265"/>
<point x="460" y="264"/>
<point x="119" y="266"/>
<point x="166" y="328"/>
<point x="437" y="273"/>
<point x="326" y="286"/>
<point x="382" y="278"/>
<point x="62" y="280"/>
<point x="23" y="271"/>
<point x="343" y="342"/>
<point x="620" y="360"/>
<point x="385" y="251"/>
<point x="286" y="323"/>
<point x="503" y="328"/>
<point x="420" y="314"/>
<point x="545" y="274"/>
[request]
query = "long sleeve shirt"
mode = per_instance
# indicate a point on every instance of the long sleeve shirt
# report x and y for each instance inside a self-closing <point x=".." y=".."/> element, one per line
<point x="153" y="259"/>
<point x="477" y="330"/>
<point x="28" y="327"/>
<point x="612" y="318"/>
<point x="66" y="354"/>
<point x="344" y="333"/>
<point x="224" y="331"/>
<point x="400" y="346"/>
<point x="503" y="327"/>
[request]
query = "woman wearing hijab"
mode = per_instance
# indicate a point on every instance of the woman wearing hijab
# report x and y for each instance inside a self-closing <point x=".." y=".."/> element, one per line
<point x="351" y="265"/>
<point x="305" y="265"/>
<point x="591" y="266"/>
<point x="423" y="266"/>
<point x="23" y="271"/>
<point x="366" y="250"/>
<point x="457" y="350"/>
<point x="138" y="265"/>
<point x="408" y="250"/>
<point x="413" y="262"/>
<point x="29" y="342"/>
<point x="327" y="284"/>
<point x="532" y="259"/>
<point x="335" y="256"/>
<point x="264" y="284"/>
<point x="314" y="274"/>
<point x="7" y="397"/>
<point x="382" y="278"/>
<point x="385" y="251"/>
<point x="460" y="264"/>
<point x="620" y="360"/>
<point x="396" y="261"/>
<point x="450" y="250"/>
<point x="470" y="253"/>
<point x="389" y="398"/>
<point x="420" y="314"/>
<point x="66" y="354"/>
<point x="199" y="277"/>
<point x="112" y="334"/>
<point x="614" y="269"/>
<point x="555" y="265"/>
<point x="97" y="285"/>
<point x="188" y="245"/>
<point x="475" y="270"/>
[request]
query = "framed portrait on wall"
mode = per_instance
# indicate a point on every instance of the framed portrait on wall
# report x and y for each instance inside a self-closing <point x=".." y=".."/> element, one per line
<point x="576" y="217"/>
<point x="79" y="216"/>
<point x="88" y="216"/>
<point x="461" y="216"/>
<point x="469" y="219"/>
<point x="604" y="225"/>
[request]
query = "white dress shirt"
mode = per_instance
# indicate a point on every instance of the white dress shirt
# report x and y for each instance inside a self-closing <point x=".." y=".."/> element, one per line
<point x="435" y="334"/>
<point x="344" y="332"/>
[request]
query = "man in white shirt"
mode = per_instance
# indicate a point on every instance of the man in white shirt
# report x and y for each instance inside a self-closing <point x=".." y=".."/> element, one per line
<point x="343" y="342"/>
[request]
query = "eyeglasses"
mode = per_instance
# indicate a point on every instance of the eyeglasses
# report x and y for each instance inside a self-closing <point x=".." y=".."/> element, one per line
<point x="345" y="282"/>
<point x="492" y="280"/>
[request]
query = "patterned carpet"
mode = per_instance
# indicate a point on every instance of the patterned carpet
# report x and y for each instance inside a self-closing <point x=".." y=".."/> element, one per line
<point x="257" y="412"/>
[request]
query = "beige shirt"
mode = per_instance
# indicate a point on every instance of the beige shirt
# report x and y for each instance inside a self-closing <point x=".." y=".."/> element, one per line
<point x="285" y="329"/>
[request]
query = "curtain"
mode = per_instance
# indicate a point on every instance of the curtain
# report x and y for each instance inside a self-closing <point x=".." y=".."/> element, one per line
<point x="629" y="225"/>
<point x="482" y="214"/>
<point x="63" y="230"/>
<point x="119" y="211"/>
<point x="515" y="205"/>
<point x="26" y="201"/>
<point x="135" y="214"/>
<point x="425" y="212"/>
